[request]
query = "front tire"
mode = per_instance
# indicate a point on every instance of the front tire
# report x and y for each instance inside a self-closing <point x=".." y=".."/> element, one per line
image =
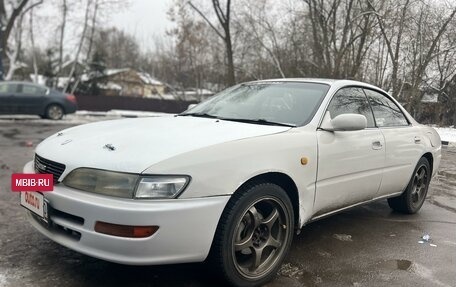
<point x="411" y="200"/>
<point x="254" y="234"/>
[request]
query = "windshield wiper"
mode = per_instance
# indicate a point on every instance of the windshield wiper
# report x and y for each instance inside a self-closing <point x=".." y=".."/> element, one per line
<point x="250" y="121"/>
<point x="259" y="121"/>
<point x="201" y="115"/>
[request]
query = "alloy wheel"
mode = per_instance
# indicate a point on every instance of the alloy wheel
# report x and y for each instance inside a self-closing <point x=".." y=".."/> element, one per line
<point x="260" y="236"/>
<point x="419" y="186"/>
<point x="55" y="112"/>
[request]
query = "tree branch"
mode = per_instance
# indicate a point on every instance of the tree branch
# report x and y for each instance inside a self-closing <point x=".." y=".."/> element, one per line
<point x="206" y="19"/>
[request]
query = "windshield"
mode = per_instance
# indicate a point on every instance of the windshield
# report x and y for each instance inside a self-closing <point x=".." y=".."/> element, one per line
<point x="290" y="103"/>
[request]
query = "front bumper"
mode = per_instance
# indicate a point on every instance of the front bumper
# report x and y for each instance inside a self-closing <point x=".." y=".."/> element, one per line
<point x="186" y="226"/>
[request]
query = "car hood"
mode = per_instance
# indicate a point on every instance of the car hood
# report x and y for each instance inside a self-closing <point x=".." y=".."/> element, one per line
<point x="132" y="145"/>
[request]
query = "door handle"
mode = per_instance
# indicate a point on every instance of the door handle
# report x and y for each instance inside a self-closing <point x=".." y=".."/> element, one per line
<point x="417" y="140"/>
<point x="377" y="145"/>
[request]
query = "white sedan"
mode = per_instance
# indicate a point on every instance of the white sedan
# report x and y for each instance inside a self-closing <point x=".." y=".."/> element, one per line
<point x="231" y="179"/>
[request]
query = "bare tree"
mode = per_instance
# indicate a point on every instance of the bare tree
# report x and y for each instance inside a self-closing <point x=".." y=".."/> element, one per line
<point x="92" y="29"/>
<point x="6" y="25"/>
<point x="224" y="21"/>
<point x="12" y="53"/>
<point x="32" y="43"/>
<point x="393" y="36"/>
<point x="340" y="34"/>
<point x="423" y="52"/>
<point x="262" y="29"/>
<point x="78" y="51"/>
<point x="64" y="9"/>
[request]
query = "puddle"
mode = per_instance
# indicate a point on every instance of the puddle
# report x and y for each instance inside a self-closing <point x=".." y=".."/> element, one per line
<point x="399" y="264"/>
<point x="11" y="133"/>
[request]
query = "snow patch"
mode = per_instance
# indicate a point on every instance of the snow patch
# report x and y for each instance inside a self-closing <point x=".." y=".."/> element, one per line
<point x="343" y="237"/>
<point x="127" y="113"/>
<point x="430" y="98"/>
<point x="3" y="280"/>
<point x="110" y="72"/>
<point x="447" y="134"/>
<point x="120" y="113"/>
<point x="160" y="96"/>
<point x="148" y="79"/>
<point x="110" y="86"/>
<point x="83" y="117"/>
<point x="39" y="79"/>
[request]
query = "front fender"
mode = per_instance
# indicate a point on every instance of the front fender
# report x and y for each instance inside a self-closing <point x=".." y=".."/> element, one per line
<point x="222" y="168"/>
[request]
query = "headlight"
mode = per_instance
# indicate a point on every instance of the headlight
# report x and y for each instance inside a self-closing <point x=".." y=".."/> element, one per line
<point x="126" y="185"/>
<point x="161" y="186"/>
<point x="102" y="182"/>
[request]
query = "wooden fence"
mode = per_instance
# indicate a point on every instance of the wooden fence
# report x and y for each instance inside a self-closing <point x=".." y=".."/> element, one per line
<point x="106" y="103"/>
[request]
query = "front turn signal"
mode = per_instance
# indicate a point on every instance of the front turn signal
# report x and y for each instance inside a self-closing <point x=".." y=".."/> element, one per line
<point x="125" y="230"/>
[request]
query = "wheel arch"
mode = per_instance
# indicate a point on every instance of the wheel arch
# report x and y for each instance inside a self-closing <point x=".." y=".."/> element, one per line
<point x="284" y="181"/>
<point x="430" y="159"/>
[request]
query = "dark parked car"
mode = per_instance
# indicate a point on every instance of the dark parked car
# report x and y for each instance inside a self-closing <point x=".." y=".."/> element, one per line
<point x="33" y="99"/>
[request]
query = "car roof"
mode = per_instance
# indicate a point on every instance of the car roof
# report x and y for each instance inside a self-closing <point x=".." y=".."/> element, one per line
<point x="313" y="80"/>
<point x="23" y="83"/>
<point x="331" y="82"/>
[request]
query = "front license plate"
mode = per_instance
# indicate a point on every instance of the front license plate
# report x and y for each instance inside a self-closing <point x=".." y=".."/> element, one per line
<point x="34" y="201"/>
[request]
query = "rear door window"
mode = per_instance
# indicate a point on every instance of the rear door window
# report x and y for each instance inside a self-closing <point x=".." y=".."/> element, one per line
<point x="386" y="112"/>
<point x="32" y="90"/>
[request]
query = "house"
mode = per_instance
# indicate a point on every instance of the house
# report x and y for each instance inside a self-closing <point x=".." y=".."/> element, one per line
<point x="125" y="82"/>
<point x="197" y="95"/>
<point x="67" y="66"/>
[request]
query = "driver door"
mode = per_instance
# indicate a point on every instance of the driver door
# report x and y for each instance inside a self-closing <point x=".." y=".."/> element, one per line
<point x="350" y="163"/>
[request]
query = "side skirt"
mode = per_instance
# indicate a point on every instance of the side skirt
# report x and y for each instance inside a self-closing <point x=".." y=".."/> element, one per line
<point x="350" y="206"/>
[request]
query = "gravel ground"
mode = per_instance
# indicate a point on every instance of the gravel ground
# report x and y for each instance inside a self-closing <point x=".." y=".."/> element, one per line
<point x="365" y="246"/>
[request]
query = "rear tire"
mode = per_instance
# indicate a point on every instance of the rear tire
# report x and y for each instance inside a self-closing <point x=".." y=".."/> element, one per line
<point x="411" y="200"/>
<point x="54" y="112"/>
<point x="254" y="235"/>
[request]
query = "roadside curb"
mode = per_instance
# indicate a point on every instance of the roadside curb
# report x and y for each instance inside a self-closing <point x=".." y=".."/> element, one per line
<point x="449" y="144"/>
<point x="122" y="113"/>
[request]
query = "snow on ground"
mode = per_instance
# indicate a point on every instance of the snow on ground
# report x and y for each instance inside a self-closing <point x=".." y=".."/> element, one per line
<point x="2" y="280"/>
<point x="447" y="134"/>
<point x="126" y="113"/>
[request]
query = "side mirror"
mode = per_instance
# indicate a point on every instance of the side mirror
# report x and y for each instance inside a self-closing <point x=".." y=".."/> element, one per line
<point x="344" y="122"/>
<point x="191" y="106"/>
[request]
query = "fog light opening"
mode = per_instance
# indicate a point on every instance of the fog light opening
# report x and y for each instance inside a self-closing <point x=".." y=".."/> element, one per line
<point x="125" y="230"/>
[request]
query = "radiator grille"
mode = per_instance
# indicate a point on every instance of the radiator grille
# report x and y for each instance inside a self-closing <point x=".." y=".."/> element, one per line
<point x="43" y="165"/>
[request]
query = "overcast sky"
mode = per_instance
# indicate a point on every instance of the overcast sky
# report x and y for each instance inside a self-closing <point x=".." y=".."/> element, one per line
<point x="144" y="19"/>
